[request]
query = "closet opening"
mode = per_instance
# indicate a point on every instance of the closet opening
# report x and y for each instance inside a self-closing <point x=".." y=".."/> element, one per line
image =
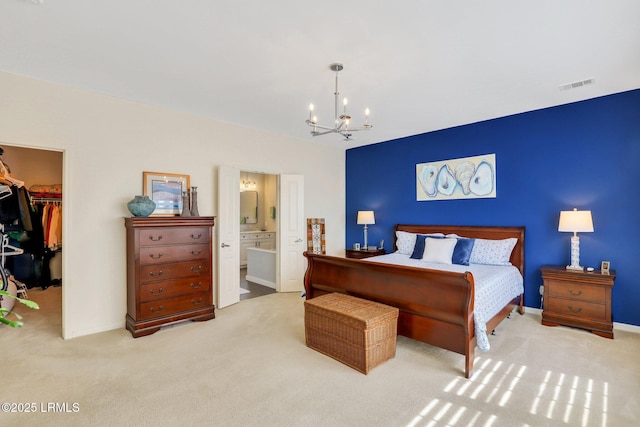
<point x="31" y="231"/>
<point x="258" y="239"/>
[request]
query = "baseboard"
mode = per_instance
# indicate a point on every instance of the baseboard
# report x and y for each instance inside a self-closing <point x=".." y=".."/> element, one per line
<point x="616" y="326"/>
<point x="260" y="281"/>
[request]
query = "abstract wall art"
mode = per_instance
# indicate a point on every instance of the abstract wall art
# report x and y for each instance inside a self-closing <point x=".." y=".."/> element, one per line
<point x="465" y="178"/>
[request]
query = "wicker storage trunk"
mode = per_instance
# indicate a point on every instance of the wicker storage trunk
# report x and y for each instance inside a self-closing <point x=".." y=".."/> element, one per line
<point x="359" y="333"/>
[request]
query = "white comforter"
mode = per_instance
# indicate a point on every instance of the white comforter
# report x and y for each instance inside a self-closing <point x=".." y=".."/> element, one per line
<point x="495" y="286"/>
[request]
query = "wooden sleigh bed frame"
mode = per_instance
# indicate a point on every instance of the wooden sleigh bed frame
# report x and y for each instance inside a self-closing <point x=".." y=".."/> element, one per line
<point x="436" y="307"/>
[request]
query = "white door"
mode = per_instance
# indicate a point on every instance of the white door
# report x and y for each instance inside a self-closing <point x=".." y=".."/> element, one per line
<point x="291" y="234"/>
<point x="228" y="223"/>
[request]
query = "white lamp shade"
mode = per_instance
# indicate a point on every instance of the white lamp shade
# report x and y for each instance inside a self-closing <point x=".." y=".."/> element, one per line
<point x="366" y="217"/>
<point x="576" y="221"/>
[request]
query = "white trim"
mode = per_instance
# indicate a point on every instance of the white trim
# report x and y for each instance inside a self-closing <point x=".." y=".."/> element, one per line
<point x="616" y="326"/>
<point x="260" y="281"/>
<point x="626" y="327"/>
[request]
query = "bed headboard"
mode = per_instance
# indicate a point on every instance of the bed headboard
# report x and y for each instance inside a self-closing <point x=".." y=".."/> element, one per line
<point x="477" y="231"/>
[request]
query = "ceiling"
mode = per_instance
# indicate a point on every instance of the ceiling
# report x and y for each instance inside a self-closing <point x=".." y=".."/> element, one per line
<point x="418" y="65"/>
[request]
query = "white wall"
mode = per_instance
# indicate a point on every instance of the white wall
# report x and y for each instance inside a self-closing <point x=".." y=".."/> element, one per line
<point x="109" y="142"/>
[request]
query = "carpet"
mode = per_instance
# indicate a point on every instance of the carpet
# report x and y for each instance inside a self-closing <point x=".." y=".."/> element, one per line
<point x="205" y="373"/>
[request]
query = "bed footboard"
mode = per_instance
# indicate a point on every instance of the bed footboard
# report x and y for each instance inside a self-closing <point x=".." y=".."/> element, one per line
<point x="436" y="307"/>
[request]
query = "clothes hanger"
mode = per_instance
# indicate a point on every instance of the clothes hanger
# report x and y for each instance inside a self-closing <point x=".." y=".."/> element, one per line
<point x="5" y="191"/>
<point x="6" y="178"/>
<point x="13" y="250"/>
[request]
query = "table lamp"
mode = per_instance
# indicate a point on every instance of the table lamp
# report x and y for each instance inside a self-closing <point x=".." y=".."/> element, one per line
<point x="575" y="221"/>
<point x="364" y="218"/>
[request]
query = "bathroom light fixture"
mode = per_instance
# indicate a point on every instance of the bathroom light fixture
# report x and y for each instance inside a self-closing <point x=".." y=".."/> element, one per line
<point x="341" y="123"/>
<point x="247" y="184"/>
<point x="575" y="221"/>
<point x="364" y="218"/>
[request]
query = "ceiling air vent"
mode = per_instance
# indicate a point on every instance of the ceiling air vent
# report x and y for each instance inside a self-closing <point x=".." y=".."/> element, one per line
<point x="574" y="85"/>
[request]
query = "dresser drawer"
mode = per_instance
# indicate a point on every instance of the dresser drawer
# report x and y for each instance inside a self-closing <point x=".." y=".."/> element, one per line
<point x="576" y="308"/>
<point x="170" y="236"/>
<point x="576" y="291"/>
<point x="169" y="306"/>
<point x="168" y="289"/>
<point x="176" y="270"/>
<point x="165" y="254"/>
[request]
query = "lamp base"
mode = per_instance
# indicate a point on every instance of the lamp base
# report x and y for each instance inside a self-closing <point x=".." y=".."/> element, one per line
<point x="575" y="268"/>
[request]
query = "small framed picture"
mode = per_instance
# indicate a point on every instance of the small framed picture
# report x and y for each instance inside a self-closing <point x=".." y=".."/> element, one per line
<point x="166" y="190"/>
<point x="604" y="267"/>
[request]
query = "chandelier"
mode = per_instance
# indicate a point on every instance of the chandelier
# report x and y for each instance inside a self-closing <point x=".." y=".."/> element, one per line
<point x="341" y="123"/>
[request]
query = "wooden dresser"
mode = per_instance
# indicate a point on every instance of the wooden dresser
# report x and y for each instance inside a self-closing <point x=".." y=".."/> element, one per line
<point x="578" y="299"/>
<point x="169" y="272"/>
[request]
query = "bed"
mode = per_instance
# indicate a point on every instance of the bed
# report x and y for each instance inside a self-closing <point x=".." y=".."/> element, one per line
<point x="436" y="306"/>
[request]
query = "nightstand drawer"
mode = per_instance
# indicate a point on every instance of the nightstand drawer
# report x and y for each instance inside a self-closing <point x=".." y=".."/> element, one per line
<point x="576" y="291"/>
<point x="575" y="308"/>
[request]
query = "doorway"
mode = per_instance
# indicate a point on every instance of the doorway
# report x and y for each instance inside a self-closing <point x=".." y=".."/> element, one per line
<point x="290" y="234"/>
<point x="38" y="262"/>
<point x="258" y="231"/>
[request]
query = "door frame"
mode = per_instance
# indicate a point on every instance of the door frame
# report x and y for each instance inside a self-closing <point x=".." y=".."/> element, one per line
<point x="236" y="263"/>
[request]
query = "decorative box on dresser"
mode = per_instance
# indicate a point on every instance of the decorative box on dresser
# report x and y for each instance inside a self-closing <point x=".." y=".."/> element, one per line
<point x="578" y="299"/>
<point x="168" y="272"/>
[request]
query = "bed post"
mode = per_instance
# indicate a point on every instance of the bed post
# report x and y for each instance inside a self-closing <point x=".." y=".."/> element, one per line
<point x="521" y="309"/>
<point x="468" y="360"/>
<point x="308" y="289"/>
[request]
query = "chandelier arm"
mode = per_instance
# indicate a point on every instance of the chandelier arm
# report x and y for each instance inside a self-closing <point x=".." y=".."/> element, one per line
<point x="326" y="132"/>
<point x="359" y="129"/>
<point x="322" y="127"/>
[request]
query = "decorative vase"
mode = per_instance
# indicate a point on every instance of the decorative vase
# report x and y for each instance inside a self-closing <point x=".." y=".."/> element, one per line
<point x="141" y="206"/>
<point x="185" y="204"/>
<point x="194" y="201"/>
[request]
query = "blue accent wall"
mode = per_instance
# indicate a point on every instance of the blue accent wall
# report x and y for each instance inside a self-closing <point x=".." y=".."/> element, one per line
<point x="583" y="155"/>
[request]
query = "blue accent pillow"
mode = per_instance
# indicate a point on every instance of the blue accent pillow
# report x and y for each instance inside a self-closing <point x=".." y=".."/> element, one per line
<point x="462" y="251"/>
<point x="418" y="249"/>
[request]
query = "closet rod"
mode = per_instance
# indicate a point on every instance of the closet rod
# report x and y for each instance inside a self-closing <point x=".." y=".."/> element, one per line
<point x="46" y="200"/>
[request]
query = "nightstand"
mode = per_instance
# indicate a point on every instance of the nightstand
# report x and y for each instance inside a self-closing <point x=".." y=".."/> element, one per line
<point x="363" y="253"/>
<point x="578" y="299"/>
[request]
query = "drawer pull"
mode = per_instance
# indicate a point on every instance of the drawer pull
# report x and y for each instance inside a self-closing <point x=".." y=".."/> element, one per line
<point x="156" y="240"/>
<point x="574" y="310"/>
<point x="196" y="252"/>
<point x="153" y="310"/>
<point x="196" y="236"/>
<point x="152" y="256"/>
<point x="194" y="302"/>
<point x="196" y="269"/>
<point x="577" y="294"/>
<point x="152" y="274"/>
<point x="193" y="285"/>
<point x="155" y="293"/>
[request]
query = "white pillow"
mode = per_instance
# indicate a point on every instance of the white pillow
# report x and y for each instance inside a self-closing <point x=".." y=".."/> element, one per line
<point x="493" y="252"/>
<point x="405" y="242"/>
<point x="439" y="250"/>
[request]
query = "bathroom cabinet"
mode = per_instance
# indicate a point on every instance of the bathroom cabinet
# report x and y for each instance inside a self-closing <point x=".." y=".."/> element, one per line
<point x="255" y="239"/>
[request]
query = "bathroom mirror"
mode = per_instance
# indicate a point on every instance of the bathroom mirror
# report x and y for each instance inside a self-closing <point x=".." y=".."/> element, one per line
<point x="248" y="207"/>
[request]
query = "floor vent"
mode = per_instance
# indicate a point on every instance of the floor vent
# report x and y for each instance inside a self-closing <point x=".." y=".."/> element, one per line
<point x="577" y="84"/>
